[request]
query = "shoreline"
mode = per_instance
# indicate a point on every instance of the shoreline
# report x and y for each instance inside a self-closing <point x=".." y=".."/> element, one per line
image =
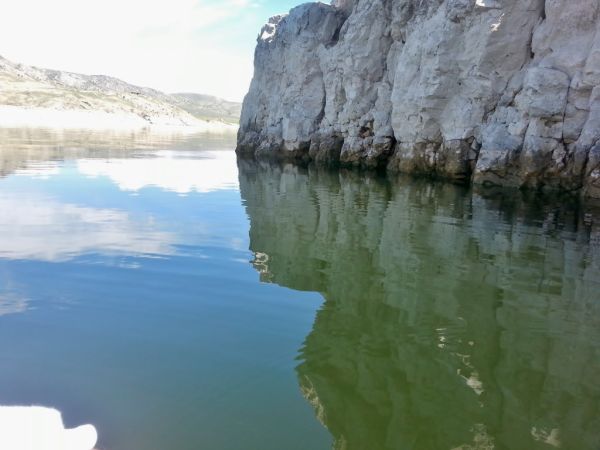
<point x="304" y="163"/>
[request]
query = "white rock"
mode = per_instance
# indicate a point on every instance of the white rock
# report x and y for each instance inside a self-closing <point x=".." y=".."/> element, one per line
<point x="496" y="91"/>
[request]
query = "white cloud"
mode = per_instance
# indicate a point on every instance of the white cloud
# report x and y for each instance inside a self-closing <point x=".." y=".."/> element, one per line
<point x="45" y="229"/>
<point x="214" y="171"/>
<point x="12" y="303"/>
<point x="173" y="46"/>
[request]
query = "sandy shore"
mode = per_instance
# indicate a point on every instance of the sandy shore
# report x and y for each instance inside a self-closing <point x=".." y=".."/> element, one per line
<point x="16" y="116"/>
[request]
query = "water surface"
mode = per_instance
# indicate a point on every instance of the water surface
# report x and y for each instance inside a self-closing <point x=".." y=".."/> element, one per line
<point x="152" y="287"/>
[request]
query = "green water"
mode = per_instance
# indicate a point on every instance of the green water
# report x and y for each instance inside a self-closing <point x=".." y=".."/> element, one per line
<point x="178" y="299"/>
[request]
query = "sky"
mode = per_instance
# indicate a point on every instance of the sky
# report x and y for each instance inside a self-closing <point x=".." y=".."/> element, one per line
<point x="204" y="46"/>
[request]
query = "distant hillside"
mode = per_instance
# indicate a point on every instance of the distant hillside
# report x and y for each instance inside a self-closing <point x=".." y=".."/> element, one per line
<point x="42" y="93"/>
<point x="209" y="107"/>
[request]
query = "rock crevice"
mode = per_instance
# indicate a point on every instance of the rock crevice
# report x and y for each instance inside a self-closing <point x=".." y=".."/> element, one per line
<point x="491" y="91"/>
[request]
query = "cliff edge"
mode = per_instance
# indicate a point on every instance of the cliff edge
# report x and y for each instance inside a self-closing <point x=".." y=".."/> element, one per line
<point x="491" y="91"/>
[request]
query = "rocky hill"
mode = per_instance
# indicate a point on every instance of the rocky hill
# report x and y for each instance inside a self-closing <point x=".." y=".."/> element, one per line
<point x="208" y="107"/>
<point x="491" y="91"/>
<point x="43" y="94"/>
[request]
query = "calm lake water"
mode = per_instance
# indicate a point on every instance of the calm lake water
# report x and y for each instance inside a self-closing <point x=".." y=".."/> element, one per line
<point x="152" y="287"/>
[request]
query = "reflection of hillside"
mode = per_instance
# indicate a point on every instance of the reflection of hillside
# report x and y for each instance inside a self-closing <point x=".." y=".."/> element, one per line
<point x="39" y="226"/>
<point x="21" y="148"/>
<point x="450" y="321"/>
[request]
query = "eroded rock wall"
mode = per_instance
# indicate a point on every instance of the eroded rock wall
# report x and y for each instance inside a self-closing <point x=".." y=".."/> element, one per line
<point x="494" y="91"/>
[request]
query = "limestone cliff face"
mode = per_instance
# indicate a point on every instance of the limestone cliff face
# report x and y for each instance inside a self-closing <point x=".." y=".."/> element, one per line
<point x="495" y="91"/>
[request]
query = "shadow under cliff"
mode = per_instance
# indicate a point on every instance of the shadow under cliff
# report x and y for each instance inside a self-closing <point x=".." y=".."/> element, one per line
<point x="452" y="319"/>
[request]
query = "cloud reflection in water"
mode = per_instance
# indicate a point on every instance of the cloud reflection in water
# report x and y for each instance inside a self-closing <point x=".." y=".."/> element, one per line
<point x="43" y="228"/>
<point x="170" y="171"/>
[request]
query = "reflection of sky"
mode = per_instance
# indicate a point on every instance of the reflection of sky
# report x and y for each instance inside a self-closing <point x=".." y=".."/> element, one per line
<point x="102" y="322"/>
<point x="60" y="211"/>
<point x="46" y="229"/>
<point x="215" y="171"/>
<point x="12" y="303"/>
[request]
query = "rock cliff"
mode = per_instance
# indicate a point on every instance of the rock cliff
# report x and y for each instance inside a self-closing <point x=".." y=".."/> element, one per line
<point x="495" y="91"/>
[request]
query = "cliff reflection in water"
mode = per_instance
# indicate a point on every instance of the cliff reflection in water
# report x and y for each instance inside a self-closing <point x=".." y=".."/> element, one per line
<point x="450" y="321"/>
